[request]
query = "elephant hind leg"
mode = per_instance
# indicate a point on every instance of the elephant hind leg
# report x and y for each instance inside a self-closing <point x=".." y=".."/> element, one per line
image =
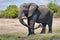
<point x="50" y="28"/>
<point x="43" y="28"/>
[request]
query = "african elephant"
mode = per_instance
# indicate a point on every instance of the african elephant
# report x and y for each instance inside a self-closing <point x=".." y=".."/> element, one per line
<point x="34" y="13"/>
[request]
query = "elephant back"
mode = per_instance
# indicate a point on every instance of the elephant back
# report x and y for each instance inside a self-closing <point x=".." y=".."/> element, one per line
<point x="43" y="9"/>
<point x="44" y="12"/>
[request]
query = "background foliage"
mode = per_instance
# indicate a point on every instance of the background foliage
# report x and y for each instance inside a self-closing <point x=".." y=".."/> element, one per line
<point x="12" y="11"/>
<point x="55" y="9"/>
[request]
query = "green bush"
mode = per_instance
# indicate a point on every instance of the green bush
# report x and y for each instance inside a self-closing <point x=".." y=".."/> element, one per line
<point x="11" y="12"/>
<point x="55" y="9"/>
<point x="56" y="14"/>
<point x="1" y="14"/>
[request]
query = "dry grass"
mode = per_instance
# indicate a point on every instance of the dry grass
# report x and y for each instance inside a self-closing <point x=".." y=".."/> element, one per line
<point x="11" y="29"/>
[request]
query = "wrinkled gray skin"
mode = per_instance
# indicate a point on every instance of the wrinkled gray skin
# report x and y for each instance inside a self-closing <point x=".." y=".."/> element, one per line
<point x="35" y="13"/>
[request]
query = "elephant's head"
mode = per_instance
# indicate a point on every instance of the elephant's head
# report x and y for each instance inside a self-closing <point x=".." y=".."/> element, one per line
<point x="27" y="9"/>
<point x="23" y="9"/>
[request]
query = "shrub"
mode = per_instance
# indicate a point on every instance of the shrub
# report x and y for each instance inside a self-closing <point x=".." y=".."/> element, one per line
<point x="11" y="11"/>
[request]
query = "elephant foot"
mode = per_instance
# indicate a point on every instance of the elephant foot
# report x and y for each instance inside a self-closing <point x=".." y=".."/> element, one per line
<point x="50" y="32"/>
<point x="31" y="34"/>
<point x="42" y="32"/>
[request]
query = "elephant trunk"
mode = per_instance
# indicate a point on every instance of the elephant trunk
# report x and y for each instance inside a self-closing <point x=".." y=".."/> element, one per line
<point x="20" y="16"/>
<point x="22" y="22"/>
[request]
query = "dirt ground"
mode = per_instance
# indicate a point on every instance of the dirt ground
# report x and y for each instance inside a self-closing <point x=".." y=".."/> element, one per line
<point x="13" y="25"/>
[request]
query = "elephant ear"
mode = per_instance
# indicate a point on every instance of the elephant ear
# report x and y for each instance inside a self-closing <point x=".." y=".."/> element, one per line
<point x="32" y="8"/>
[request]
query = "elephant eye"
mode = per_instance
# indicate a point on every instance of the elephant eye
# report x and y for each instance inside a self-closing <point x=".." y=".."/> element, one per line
<point x="23" y="6"/>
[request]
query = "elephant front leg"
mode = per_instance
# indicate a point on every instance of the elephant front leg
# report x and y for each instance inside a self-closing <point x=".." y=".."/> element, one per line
<point x="31" y="31"/>
<point x="31" y="28"/>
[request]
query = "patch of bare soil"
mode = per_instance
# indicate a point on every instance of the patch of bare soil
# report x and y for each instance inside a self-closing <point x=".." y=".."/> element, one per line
<point x="13" y="25"/>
